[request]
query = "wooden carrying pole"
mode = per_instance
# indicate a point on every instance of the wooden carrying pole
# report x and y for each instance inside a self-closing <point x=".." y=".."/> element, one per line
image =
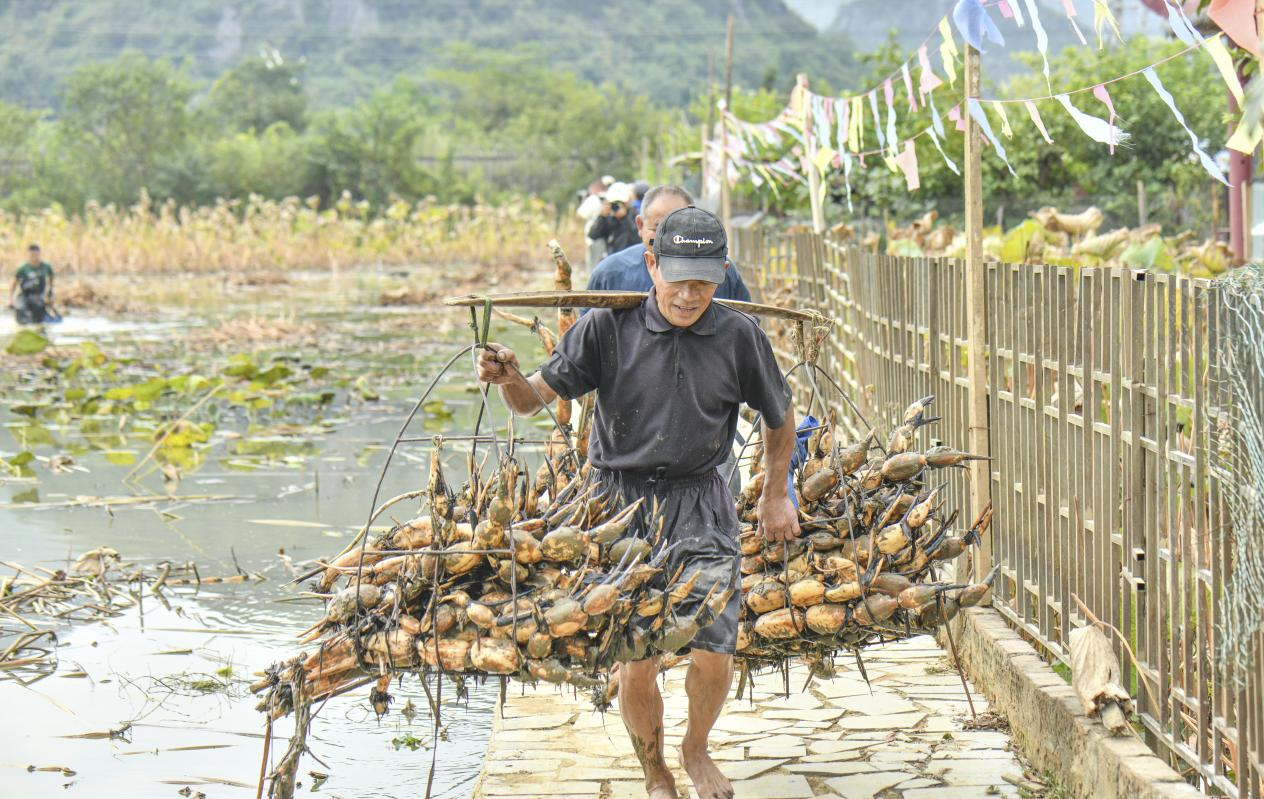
<point x="611" y="299"/>
<point x="799" y="102"/>
<point x="976" y="314"/>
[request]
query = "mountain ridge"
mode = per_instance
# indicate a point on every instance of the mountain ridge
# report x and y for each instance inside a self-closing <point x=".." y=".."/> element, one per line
<point x="350" y="46"/>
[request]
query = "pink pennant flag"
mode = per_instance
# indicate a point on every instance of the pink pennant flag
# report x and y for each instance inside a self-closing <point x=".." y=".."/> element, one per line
<point x="1237" y="18"/>
<point x="1099" y="91"/>
<point x="1006" y="11"/>
<point x="908" y="86"/>
<point x="888" y="92"/>
<point x="929" y="81"/>
<point x="954" y="114"/>
<point x="907" y="162"/>
<point x="1069" y="7"/>
<point x="1034" y="113"/>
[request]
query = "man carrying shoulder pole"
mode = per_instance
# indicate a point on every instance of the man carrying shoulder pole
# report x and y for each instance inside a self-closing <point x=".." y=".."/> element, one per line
<point x="669" y="376"/>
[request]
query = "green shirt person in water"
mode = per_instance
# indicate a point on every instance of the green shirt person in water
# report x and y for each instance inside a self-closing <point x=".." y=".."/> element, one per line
<point x="32" y="290"/>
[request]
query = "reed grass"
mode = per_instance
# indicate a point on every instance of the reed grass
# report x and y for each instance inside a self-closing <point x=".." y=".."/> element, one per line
<point x="258" y="234"/>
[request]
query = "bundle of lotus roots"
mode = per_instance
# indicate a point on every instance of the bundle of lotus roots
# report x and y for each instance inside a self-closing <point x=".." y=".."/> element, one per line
<point x="863" y="571"/>
<point x="489" y="581"/>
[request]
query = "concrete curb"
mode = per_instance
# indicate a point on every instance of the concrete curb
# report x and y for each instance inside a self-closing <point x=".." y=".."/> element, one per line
<point x="1048" y="723"/>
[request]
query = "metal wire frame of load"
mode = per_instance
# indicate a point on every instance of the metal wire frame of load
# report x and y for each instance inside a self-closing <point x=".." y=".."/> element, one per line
<point x="301" y="701"/>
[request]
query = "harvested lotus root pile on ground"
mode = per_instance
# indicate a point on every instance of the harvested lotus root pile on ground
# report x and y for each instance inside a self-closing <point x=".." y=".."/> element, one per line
<point x="489" y="581"/>
<point x="863" y="571"/>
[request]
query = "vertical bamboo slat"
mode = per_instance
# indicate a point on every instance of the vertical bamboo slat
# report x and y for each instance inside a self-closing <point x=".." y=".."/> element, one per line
<point x="1105" y="396"/>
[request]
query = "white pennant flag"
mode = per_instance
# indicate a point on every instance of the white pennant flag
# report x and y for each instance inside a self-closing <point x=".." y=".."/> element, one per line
<point x="1096" y="128"/>
<point x="847" y="178"/>
<point x="1166" y="96"/>
<point x="1042" y="39"/>
<point x="934" y="137"/>
<point x="976" y="111"/>
<point x="877" y="119"/>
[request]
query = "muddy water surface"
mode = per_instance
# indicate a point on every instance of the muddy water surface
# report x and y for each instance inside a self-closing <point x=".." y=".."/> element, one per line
<point x="154" y="701"/>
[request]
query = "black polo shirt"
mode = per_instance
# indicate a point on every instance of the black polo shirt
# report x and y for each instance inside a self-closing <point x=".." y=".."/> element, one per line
<point x="667" y="396"/>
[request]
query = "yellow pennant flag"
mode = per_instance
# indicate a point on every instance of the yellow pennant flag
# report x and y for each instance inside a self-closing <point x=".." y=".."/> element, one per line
<point x="948" y="51"/>
<point x="1005" y="128"/>
<point x="1224" y="62"/>
<point x="824" y="159"/>
<point x="1247" y="136"/>
<point x="855" y="128"/>
<point x="1102" y="16"/>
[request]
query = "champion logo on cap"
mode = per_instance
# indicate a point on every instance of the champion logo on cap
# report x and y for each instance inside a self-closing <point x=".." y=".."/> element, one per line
<point x="679" y="239"/>
<point x="691" y="245"/>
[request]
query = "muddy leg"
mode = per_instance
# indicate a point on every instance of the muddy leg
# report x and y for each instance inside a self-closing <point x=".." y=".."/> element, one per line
<point x="707" y="684"/>
<point x="641" y="706"/>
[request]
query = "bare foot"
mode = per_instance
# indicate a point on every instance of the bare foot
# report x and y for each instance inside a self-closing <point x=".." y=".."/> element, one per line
<point x="707" y="780"/>
<point x="663" y="790"/>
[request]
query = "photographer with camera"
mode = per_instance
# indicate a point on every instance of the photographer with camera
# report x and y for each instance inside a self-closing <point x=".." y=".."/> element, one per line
<point x="616" y="225"/>
<point x="589" y="209"/>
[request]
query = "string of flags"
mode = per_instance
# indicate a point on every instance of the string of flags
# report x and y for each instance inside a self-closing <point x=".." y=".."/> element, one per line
<point x="828" y="134"/>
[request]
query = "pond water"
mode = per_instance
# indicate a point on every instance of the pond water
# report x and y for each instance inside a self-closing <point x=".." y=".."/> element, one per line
<point x="176" y="674"/>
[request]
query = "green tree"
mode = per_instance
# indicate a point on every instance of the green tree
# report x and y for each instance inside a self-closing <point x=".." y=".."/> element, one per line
<point x="1078" y="171"/>
<point x="372" y="149"/>
<point x="274" y="163"/>
<point x="121" y="123"/>
<point x="555" y="131"/>
<point x="1074" y="171"/>
<point x="259" y="92"/>
<point x="18" y="130"/>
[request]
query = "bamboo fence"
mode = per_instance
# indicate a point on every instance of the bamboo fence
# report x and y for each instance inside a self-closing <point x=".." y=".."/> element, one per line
<point x="1107" y="411"/>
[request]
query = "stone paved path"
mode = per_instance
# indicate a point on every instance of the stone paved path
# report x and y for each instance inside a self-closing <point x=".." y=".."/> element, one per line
<point x="905" y="739"/>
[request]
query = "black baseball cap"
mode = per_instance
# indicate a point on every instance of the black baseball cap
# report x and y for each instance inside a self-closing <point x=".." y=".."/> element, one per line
<point x="690" y="244"/>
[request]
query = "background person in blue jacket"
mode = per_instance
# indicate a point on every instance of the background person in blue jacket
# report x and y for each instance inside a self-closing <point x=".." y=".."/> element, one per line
<point x="625" y="270"/>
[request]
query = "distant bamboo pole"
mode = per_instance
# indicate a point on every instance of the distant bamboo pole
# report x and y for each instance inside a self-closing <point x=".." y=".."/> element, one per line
<point x="799" y="101"/>
<point x="726" y="198"/>
<point x="976" y="313"/>
<point x="565" y="316"/>
<point x="708" y="127"/>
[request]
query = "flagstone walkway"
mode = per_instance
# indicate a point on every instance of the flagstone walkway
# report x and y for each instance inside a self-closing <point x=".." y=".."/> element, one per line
<point x="904" y="738"/>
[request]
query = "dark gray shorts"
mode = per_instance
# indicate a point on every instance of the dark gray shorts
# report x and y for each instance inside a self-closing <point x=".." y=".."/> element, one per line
<point x="700" y="534"/>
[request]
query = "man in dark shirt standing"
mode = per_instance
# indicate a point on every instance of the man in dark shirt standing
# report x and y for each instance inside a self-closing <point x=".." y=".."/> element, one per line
<point x="625" y="270"/>
<point x="32" y="290"/>
<point x="669" y="376"/>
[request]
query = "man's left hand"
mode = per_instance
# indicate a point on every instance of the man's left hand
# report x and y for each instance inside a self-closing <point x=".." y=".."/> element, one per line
<point x="778" y="519"/>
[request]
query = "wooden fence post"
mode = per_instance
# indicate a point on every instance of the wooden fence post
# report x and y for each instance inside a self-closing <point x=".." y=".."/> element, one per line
<point x="976" y="311"/>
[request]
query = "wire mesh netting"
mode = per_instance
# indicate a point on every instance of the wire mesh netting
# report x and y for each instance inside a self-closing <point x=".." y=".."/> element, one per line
<point x="1242" y="446"/>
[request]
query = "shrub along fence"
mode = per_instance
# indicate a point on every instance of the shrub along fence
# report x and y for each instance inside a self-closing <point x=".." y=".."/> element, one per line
<point x="1113" y="428"/>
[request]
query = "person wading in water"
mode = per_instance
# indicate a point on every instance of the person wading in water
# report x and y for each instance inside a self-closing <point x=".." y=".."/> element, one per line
<point x="669" y="376"/>
<point x="32" y="290"/>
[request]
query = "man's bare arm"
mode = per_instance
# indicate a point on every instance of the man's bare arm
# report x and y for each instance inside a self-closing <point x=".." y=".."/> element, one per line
<point x="777" y="516"/>
<point x="523" y="395"/>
